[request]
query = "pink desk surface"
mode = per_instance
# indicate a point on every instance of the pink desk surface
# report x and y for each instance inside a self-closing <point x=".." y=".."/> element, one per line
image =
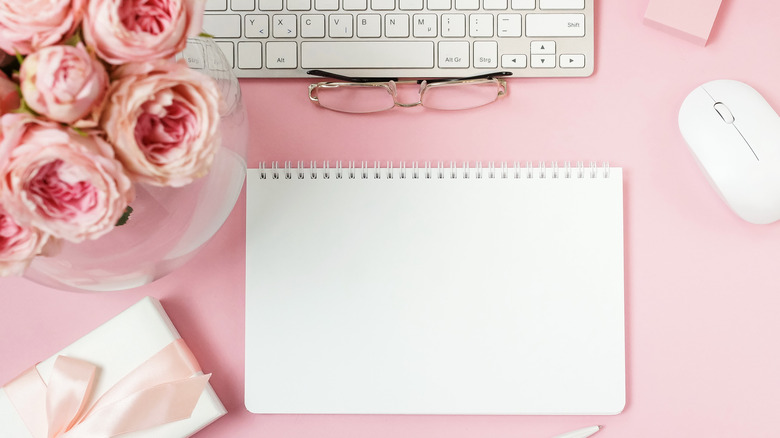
<point x="702" y="290"/>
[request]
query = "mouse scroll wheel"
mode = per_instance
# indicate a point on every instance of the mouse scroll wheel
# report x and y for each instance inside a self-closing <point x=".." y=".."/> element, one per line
<point x="724" y="112"/>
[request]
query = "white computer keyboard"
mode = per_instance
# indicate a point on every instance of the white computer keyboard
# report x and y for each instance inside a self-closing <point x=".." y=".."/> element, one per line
<point x="404" y="38"/>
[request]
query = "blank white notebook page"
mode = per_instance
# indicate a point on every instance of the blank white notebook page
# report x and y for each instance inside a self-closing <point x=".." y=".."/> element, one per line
<point x="479" y="292"/>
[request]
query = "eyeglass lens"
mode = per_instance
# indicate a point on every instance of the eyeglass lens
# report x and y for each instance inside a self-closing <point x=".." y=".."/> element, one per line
<point x="459" y="96"/>
<point x="359" y="98"/>
<point x="356" y="98"/>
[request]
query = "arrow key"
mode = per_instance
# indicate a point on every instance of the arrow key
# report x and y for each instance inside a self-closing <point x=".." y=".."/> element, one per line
<point x="514" y="61"/>
<point x="572" y="61"/>
<point x="543" y="47"/>
<point x="542" y="61"/>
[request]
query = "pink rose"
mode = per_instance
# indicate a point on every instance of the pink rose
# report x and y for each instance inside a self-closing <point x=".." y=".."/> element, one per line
<point x="65" y="184"/>
<point x="139" y="30"/>
<point x="163" y="119"/>
<point x="63" y="83"/>
<point x="9" y="95"/>
<point x="18" y="244"/>
<point x="26" y="26"/>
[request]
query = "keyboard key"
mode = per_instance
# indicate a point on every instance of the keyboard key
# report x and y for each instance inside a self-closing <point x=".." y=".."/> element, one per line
<point x="481" y="25"/>
<point x="555" y="25"/>
<point x="281" y="54"/>
<point x="543" y="47"/>
<point x="439" y="5"/>
<point x="410" y="5"/>
<point x="298" y="5"/>
<point x="256" y="26"/>
<point x="424" y="25"/>
<point x="396" y="25"/>
<point x="561" y="4"/>
<point x="454" y="54"/>
<point x="313" y="26"/>
<point x="514" y="61"/>
<point x="491" y="5"/>
<point x="193" y="54"/>
<point x="366" y="54"/>
<point x="369" y="26"/>
<point x="467" y="5"/>
<point x="222" y="26"/>
<point x="485" y="54"/>
<point x="382" y="5"/>
<point x="216" y="5"/>
<point x="326" y="5"/>
<point x="355" y="5"/>
<point x="542" y="61"/>
<point x="453" y="25"/>
<point x="250" y="54"/>
<point x="524" y="4"/>
<point x="510" y="25"/>
<point x="572" y="61"/>
<point x="242" y="5"/>
<point x="227" y="49"/>
<point x="284" y="26"/>
<point x="340" y="26"/>
<point x="269" y="5"/>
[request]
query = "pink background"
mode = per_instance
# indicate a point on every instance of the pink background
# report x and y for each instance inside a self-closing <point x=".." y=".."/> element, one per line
<point x="702" y="296"/>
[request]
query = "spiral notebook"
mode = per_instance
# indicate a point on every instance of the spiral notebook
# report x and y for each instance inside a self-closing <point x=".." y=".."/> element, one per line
<point x="437" y="289"/>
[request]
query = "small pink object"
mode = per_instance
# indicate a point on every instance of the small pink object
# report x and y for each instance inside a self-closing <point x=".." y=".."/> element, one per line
<point x="688" y="19"/>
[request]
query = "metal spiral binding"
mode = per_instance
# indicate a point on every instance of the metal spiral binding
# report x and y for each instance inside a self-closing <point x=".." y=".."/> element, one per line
<point x="504" y="170"/>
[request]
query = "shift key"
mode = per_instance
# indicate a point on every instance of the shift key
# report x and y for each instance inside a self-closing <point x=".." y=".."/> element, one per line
<point x="555" y="25"/>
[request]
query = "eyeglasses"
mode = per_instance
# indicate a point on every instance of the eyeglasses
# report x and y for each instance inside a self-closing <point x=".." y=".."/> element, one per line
<point x="369" y="95"/>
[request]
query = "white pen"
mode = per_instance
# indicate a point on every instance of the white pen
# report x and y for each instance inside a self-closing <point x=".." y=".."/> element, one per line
<point x="585" y="432"/>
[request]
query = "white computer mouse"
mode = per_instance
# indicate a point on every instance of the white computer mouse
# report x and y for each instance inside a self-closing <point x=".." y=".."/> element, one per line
<point x="735" y="135"/>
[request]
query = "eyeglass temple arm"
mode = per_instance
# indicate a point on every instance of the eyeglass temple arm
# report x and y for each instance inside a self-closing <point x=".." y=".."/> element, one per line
<point x="327" y="74"/>
<point x="482" y="76"/>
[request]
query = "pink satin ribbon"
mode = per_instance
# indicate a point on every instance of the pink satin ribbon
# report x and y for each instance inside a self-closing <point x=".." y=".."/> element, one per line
<point x="161" y="390"/>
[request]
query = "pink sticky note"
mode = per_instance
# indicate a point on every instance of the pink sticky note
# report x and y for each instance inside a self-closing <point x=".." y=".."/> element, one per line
<point x="689" y="19"/>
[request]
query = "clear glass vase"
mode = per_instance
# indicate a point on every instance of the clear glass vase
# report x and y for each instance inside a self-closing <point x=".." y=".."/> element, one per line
<point x="168" y="225"/>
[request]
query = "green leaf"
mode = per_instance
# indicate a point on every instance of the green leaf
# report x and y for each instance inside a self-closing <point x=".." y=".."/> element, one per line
<point x="19" y="57"/>
<point x="125" y="216"/>
<point x="83" y="133"/>
<point x="25" y="109"/>
<point x="73" y="40"/>
<point x="205" y="35"/>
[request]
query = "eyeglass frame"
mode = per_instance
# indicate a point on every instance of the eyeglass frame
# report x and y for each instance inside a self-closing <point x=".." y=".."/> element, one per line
<point x="389" y="85"/>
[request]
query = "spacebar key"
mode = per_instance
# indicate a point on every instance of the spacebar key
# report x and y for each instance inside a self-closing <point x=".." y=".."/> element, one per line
<point x="367" y="54"/>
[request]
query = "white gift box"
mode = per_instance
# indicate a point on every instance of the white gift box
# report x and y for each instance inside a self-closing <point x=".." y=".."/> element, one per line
<point x="116" y="348"/>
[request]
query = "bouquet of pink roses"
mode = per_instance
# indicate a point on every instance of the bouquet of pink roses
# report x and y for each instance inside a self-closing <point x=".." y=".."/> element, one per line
<point x="91" y="103"/>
